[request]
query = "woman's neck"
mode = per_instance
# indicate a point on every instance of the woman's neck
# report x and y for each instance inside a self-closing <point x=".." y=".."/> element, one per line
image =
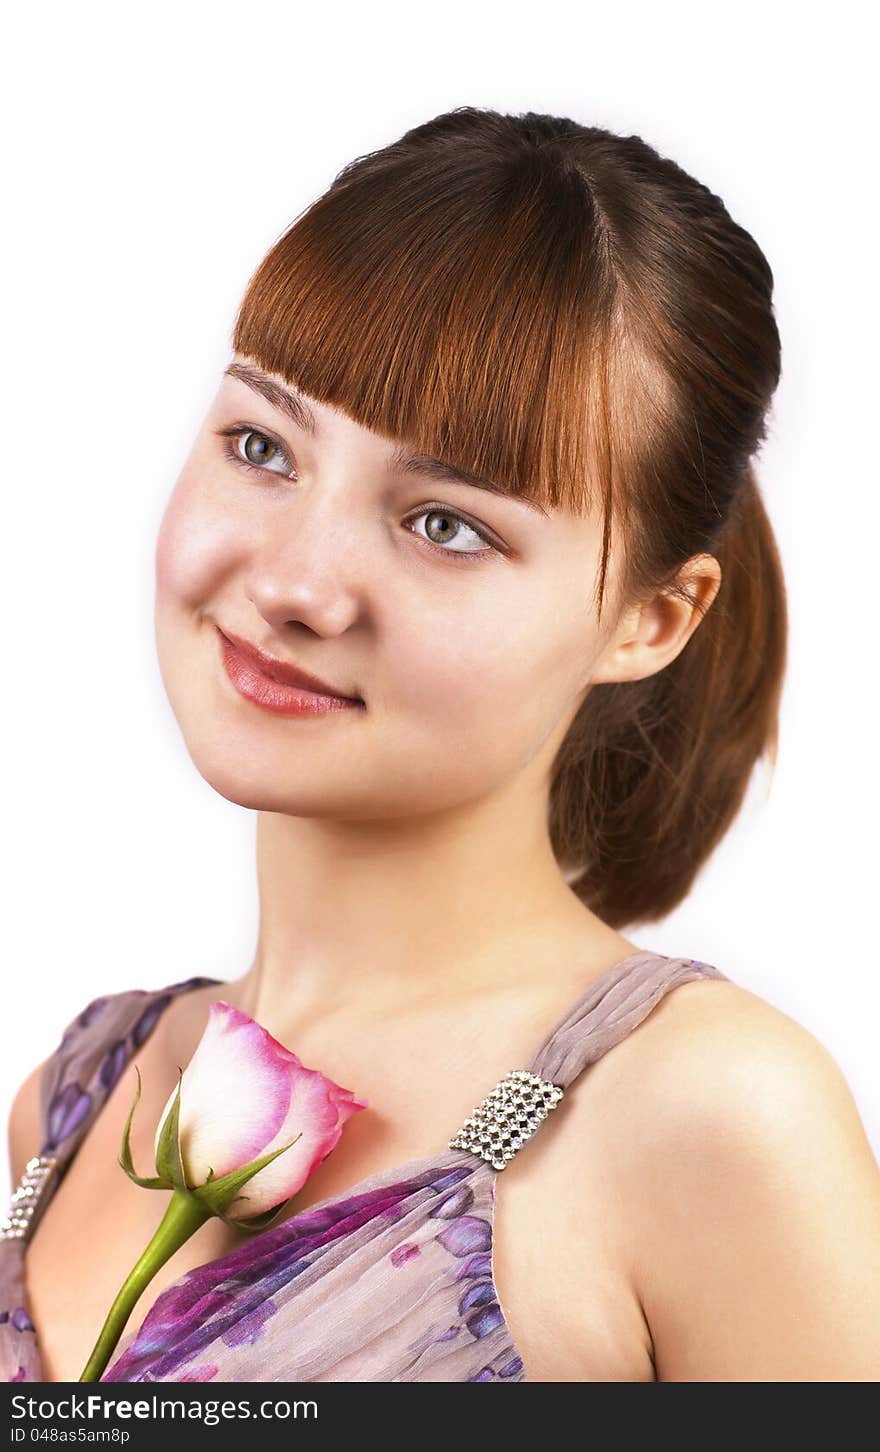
<point x="397" y="918"/>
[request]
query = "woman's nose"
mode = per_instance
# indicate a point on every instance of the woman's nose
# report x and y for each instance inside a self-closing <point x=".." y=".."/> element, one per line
<point x="311" y="564"/>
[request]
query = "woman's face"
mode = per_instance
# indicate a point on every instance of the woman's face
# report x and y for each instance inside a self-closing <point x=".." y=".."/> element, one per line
<point x="464" y="619"/>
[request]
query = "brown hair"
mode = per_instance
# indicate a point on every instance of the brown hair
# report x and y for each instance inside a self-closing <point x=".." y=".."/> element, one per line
<point x="555" y="307"/>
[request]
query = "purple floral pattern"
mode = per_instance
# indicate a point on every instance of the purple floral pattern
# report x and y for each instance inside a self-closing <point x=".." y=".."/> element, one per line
<point x="235" y="1300"/>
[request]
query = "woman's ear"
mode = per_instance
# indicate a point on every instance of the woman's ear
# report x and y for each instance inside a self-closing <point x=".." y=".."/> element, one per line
<point x="650" y="635"/>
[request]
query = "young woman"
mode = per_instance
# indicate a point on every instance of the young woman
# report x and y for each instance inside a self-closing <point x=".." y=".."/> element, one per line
<point x="468" y="591"/>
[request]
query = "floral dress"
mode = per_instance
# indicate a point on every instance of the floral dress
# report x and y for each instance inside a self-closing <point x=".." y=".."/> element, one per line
<point x="392" y="1281"/>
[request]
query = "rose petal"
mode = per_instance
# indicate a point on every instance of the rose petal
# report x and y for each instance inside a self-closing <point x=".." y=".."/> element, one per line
<point x="318" y="1110"/>
<point x="244" y="1094"/>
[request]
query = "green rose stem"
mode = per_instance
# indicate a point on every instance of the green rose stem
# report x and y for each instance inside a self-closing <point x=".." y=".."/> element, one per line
<point x="189" y="1208"/>
<point x="183" y="1216"/>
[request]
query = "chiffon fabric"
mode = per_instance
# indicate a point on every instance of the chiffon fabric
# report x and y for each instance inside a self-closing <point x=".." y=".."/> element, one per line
<point x="392" y="1281"/>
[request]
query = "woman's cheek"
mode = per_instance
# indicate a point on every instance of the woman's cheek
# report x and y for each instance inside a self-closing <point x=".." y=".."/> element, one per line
<point x="194" y="548"/>
<point x="166" y="551"/>
<point x="475" y="688"/>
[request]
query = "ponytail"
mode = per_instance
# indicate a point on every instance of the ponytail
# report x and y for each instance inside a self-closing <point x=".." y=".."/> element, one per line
<point x="652" y="772"/>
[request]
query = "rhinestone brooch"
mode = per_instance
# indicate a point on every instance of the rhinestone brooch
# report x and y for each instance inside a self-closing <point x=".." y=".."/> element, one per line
<point x="26" y="1197"/>
<point x="507" y="1117"/>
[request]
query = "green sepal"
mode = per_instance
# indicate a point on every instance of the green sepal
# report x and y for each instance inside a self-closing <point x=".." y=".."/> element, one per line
<point x="256" y="1222"/>
<point x="168" y="1160"/>
<point x="218" y="1194"/>
<point x="214" y="1195"/>
<point x="156" y="1182"/>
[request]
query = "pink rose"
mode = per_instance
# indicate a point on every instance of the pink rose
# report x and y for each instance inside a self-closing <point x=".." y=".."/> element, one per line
<point x="244" y="1095"/>
<point x="246" y="1125"/>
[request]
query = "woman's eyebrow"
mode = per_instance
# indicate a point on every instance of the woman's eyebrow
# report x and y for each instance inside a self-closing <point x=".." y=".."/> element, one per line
<point x="289" y="402"/>
<point x="409" y="463"/>
<point x="286" y="400"/>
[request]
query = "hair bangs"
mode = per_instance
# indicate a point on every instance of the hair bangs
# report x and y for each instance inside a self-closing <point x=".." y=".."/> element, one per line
<point x="466" y="314"/>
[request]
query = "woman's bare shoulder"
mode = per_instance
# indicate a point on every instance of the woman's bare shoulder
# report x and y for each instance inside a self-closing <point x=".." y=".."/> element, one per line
<point x="751" y="1193"/>
<point x="705" y="1017"/>
<point x="714" y="1059"/>
<point x="714" y="1048"/>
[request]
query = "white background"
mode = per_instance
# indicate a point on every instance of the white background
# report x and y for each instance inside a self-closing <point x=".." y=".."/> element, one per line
<point x="153" y="156"/>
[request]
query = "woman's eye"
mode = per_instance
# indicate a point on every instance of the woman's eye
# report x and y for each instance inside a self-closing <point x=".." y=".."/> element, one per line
<point x="446" y="532"/>
<point x="450" y="533"/>
<point x="252" y="450"/>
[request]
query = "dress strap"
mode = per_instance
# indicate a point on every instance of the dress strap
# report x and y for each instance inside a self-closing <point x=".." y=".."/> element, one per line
<point x="76" y="1081"/>
<point x="611" y="1007"/>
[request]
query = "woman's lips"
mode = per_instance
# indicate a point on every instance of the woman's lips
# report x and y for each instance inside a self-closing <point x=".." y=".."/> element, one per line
<point x="273" y="695"/>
